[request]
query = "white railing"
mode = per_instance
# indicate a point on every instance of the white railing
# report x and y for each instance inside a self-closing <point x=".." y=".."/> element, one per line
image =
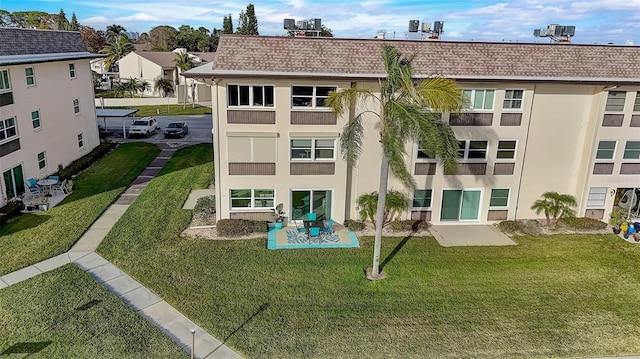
<point x="143" y="101"/>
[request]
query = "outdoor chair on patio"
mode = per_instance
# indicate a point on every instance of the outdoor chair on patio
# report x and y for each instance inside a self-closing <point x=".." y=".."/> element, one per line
<point x="60" y="186"/>
<point x="55" y="178"/>
<point x="32" y="190"/>
<point x="32" y="183"/>
<point x="314" y="232"/>
<point x="329" y="228"/>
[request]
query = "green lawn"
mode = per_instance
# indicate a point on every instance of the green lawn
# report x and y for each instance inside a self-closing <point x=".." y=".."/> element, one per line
<point x="35" y="237"/>
<point x="67" y="314"/>
<point x="170" y="110"/>
<point x="549" y="296"/>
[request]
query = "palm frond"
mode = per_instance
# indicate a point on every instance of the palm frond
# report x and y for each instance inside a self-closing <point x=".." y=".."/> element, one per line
<point x="351" y="140"/>
<point x="339" y="101"/>
<point x="440" y="94"/>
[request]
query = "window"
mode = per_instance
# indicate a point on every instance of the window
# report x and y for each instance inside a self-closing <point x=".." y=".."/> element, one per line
<point x="506" y="150"/>
<point x="80" y="141"/>
<point x="312" y="149"/>
<point x="5" y="84"/>
<point x="252" y="198"/>
<point x="72" y="71"/>
<point x="422" y="198"/>
<point x="597" y="196"/>
<point x="513" y="99"/>
<point x="499" y="198"/>
<point x="606" y="150"/>
<point x="250" y="149"/>
<point x="30" y="75"/>
<point x="479" y="99"/>
<point x="423" y="155"/>
<point x="310" y="96"/>
<point x="472" y="150"/>
<point x="76" y="106"/>
<point x="8" y="129"/>
<point x="42" y="160"/>
<point x="615" y="101"/>
<point x="636" y="105"/>
<point x="250" y="95"/>
<point x="35" y="119"/>
<point x="632" y="150"/>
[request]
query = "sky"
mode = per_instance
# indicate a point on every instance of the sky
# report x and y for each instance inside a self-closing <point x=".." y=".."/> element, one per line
<point x="596" y="21"/>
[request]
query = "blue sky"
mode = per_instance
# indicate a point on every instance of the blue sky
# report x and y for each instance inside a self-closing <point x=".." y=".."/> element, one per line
<point x="596" y="21"/>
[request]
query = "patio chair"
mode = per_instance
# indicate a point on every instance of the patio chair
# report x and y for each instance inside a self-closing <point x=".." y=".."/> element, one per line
<point x="329" y="228"/>
<point x="55" y="178"/>
<point x="314" y="232"/>
<point x="60" y="186"/>
<point x="33" y="183"/>
<point x="32" y="190"/>
<point x="311" y="216"/>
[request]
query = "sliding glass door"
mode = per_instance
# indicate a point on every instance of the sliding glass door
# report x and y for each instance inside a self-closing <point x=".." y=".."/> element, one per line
<point x="13" y="182"/>
<point x="310" y="201"/>
<point x="460" y="205"/>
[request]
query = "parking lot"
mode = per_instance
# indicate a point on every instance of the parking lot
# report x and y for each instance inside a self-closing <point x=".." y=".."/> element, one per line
<point x="199" y="129"/>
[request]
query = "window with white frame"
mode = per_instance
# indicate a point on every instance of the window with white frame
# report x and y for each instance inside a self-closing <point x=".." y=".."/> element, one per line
<point x="250" y="95"/>
<point x="597" y="196"/>
<point x="42" y="159"/>
<point x="513" y="99"/>
<point x="80" y="141"/>
<point x="479" y="99"/>
<point x="506" y="150"/>
<point x="615" y="101"/>
<point x="606" y="150"/>
<point x="636" y="105"/>
<point x="72" y="71"/>
<point x="35" y="119"/>
<point x="76" y="106"/>
<point x="8" y="129"/>
<point x="313" y="149"/>
<point x="5" y="84"/>
<point x="423" y="155"/>
<point x="252" y="198"/>
<point x="30" y="76"/>
<point x="472" y="149"/>
<point x="632" y="150"/>
<point x="252" y="149"/>
<point x="310" y="96"/>
<point x="422" y="198"/>
<point x="499" y="197"/>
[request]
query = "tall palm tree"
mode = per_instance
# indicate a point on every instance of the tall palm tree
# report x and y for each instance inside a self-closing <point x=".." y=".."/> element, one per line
<point x="115" y="51"/>
<point x="555" y="205"/>
<point x="183" y="62"/>
<point x="163" y="86"/>
<point x="113" y="31"/>
<point x="409" y="112"/>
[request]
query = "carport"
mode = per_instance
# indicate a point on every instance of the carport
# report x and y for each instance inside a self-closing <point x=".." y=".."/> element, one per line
<point x="116" y="112"/>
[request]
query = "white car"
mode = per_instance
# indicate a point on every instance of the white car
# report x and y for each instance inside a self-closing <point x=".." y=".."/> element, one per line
<point x="145" y="126"/>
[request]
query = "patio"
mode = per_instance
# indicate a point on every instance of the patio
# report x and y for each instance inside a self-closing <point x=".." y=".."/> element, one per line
<point x="33" y="202"/>
<point x="290" y="238"/>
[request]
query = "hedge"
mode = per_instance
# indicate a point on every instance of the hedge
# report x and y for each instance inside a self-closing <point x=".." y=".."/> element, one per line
<point x="239" y="227"/>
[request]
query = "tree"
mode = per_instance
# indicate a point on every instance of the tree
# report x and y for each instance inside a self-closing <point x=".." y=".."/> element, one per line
<point x="5" y="18"/>
<point x="115" y="51"/>
<point x="163" y="38"/>
<point x="396" y="202"/>
<point x="409" y="111"/>
<point x="227" y="25"/>
<point x="163" y="86"/>
<point x="114" y="32"/>
<point x="142" y="85"/>
<point x="29" y="19"/>
<point x="555" y="205"/>
<point x="183" y="61"/>
<point x="74" y="25"/>
<point x="248" y="23"/>
<point x="91" y="39"/>
<point x="61" y="22"/>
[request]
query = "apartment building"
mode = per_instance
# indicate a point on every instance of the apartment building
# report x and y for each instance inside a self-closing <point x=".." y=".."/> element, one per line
<point x="542" y="117"/>
<point x="47" y="111"/>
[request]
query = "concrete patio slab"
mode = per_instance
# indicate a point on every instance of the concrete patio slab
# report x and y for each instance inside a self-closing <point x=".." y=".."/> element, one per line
<point x="470" y="235"/>
<point x="190" y="203"/>
<point x="53" y="263"/>
<point x="140" y="298"/>
<point x="20" y="275"/>
<point x="105" y="273"/>
<point x="90" y="261"/>
<point x="122" y="284"/>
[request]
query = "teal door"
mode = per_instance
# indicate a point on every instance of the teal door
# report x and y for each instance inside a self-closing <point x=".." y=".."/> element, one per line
<point x="459" y="205"/>
<point x="13" y="182"/>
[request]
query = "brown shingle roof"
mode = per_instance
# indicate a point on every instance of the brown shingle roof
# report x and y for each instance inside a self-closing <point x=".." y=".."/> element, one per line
<point x="161" y="58"/>
<point x="295" y="56"/>
<point x="18" y="41"/>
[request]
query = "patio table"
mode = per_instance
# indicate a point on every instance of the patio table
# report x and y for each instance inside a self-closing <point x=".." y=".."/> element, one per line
<point x="313" y="223"/>
<point x="47" y="184"/>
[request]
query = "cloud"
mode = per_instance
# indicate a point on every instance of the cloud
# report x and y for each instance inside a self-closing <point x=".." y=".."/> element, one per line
<point x="137" y="17"/>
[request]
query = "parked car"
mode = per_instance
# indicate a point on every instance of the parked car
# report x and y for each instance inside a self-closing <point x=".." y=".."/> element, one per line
<point x="176" y="129"/>
<point x="145" y="126"/>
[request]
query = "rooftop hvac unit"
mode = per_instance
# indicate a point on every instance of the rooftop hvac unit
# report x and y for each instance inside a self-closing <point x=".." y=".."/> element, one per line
<point x="536" y="32"/>
<point x="568" y="30"/>
<point x="289" y="24"/>
<point x="413" y="25"/>
<point x="426" y="27"/>
<point x="317" y="24"/>
<point x="554" y="30"/>
<point x="303" y="24"/>
<point x="437" y="26"/>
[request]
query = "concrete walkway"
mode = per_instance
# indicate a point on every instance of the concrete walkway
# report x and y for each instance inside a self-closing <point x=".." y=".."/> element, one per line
<point x="470" y="235"/>
<point x="139" y="298"/>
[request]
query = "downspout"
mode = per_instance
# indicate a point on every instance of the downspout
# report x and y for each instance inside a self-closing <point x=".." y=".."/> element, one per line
<point x="216" y="152"/>
<point x="524" y="152"/>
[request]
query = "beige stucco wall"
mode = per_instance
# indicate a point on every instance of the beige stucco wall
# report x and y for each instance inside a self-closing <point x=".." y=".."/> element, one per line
<point x="135" y="66"/>
<point x="53" y="96"/>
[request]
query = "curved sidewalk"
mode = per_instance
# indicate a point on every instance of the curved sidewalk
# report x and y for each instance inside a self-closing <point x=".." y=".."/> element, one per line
<point x="139" y="298"/>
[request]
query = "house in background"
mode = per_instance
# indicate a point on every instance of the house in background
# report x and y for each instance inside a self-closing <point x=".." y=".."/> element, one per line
<point x="542" y="117"/>
<point x="48" y="116"/>
<point x="151" y="65"/>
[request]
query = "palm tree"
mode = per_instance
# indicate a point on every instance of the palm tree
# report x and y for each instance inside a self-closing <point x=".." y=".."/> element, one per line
<point x="142" y="86"/>
<point x="555" y="205"/>
<point x="409" y="111"/>
<point x="183" y="62"/>
<point x="113" y="32"/>
<point x="163" y="86"/>
<point x="396" y="202"/>
<point x="116" y="50"/>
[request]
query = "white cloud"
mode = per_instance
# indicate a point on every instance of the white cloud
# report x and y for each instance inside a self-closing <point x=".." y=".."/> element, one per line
<point x="137" y="17"/>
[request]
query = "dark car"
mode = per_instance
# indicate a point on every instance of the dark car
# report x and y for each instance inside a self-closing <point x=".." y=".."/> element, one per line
<point x="176" y="129"/>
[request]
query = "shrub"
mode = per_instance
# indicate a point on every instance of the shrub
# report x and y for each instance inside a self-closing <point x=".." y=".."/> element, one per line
<point x="408" y="225"/>
<point x="511" y="226"/>
<point x="353" y="225"/>
<point x="10" y="210"/>
<point x="206" y="204"/>
<point x="239" y="227"/>
<point x="583" y="223"/>
<point x="85" y="161"/>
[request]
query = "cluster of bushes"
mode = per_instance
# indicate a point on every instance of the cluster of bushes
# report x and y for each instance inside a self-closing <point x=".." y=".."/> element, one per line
<point x="354" y="225"/>
<point x="239" y="227"/>
<point x="583" y="223"/>
<point x="206" y="204"/>
<point x="408" y="225"/>
<point x="533" y="227"/>
<point x="10" y="210"/>
<point x="85" y="161"/>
